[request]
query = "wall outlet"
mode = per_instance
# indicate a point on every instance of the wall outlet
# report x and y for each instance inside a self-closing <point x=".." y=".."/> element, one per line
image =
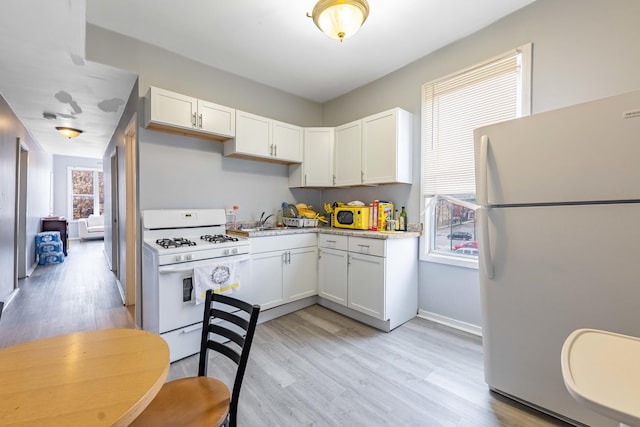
<point x="229" y="211"/>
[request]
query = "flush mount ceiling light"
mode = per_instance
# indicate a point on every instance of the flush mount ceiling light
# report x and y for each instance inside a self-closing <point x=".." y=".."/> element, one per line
<point x="68" y="132"/>
<point x="340" y="19"/>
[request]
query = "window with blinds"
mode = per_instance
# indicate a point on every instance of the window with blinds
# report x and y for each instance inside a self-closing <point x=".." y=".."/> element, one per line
<point x="452" y="107"/>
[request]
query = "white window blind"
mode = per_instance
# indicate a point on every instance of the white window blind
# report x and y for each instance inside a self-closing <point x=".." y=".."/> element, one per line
<point x="453" y="107"/>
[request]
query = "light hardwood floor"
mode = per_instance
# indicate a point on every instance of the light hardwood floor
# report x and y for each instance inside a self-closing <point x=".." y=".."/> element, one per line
<point x="313" y="367"/>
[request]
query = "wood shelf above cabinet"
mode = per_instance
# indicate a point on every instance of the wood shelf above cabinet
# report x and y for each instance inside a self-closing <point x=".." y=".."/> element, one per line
<point x="184" y="115"/>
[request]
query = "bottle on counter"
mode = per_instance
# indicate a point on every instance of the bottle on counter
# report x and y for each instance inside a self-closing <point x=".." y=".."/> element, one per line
<point x="403" y="220"/>
<point x="397" y="221"/>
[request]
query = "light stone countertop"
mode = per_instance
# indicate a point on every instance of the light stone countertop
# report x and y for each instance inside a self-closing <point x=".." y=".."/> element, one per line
<point x="283" y="231"/>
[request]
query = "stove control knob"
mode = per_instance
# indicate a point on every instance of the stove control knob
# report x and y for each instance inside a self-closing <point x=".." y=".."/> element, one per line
<point x="234" y="250"/>
<point x="179" y="258"/>
<point x="189" y="257"/>
<point x="227" y="251"/>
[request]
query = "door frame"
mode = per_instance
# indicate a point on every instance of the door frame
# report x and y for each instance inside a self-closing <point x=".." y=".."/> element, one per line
<point x="20" y="232"/>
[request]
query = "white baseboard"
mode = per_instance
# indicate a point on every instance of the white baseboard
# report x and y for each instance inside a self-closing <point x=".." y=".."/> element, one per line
<point x="31" y="269"/>
<point x="452" y="323"/>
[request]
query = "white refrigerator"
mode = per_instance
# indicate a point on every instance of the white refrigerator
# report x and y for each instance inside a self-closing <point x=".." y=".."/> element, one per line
<point x="559" y="242"/>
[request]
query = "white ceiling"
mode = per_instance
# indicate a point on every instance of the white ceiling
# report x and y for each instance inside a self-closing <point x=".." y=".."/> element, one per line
<point x="273" y="42"/>
<point x="268" y="41"/>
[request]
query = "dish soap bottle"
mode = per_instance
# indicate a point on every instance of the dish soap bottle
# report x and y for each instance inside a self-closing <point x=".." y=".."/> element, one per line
<point x="396" y="223"/>
<point x="403" y="220"/>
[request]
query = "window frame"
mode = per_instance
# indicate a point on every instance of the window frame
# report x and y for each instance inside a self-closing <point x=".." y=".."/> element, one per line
<point x="429" y="202"/>
<point x="96" y="189"/>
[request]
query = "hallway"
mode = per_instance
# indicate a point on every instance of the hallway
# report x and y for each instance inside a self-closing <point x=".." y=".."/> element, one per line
<point x="79" y="294"/>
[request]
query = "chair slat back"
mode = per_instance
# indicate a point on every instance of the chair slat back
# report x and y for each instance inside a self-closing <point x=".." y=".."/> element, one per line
<point x="220" y="329"/>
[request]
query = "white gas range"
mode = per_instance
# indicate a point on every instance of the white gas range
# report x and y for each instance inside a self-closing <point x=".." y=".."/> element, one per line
<point x="175" y="241"/>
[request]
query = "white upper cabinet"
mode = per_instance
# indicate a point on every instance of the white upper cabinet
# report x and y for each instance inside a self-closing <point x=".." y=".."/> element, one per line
<point x="216" y="119"/>
<point x="386" y="147"/>
<point x="175" y="112"/>
<point x="316" y="170"/>
<point x="347" y="163"/>
<point x="265" y="139"/>
<point x="287" y="141"/>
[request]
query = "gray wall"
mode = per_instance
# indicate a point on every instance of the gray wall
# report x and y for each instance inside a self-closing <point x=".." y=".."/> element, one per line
<point x="38" y="197"/>
<point x="582" y="50"/>
<point x="177" y="171"/>
<point x="61" y="183"/>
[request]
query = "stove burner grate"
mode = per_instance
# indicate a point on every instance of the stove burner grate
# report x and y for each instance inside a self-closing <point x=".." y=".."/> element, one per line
<point x="218" y="238"/>
<point x="176" y="242"/>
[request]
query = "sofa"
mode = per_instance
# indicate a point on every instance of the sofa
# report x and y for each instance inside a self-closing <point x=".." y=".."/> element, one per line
<point x="91" y="227"/>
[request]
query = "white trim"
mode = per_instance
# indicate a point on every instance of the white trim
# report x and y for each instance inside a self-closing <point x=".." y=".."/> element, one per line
<point x="452" y="323"/>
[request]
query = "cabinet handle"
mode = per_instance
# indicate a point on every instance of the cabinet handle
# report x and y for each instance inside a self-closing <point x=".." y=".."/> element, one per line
<point x="361" y="176"/>
<point x="364" y="246"/>
<point x="305" y="179"/>
<point x="200" y="121"/>
<point x="289" y="256"/>
<point x="271" y="149"/>
<point x="275" y="150"/>
<point x="193" y="120"/>
<point x="334" y="180"/>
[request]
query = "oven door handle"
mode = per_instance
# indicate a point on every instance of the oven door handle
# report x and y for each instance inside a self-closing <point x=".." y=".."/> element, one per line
<point x="171" y="269"/>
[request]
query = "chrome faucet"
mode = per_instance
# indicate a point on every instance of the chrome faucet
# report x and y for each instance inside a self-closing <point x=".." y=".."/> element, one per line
<point x="262" y="221"/>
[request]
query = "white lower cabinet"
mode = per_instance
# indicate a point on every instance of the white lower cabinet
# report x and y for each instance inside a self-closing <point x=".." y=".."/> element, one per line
<point x="366" y="285"/>
<point x="266" y="279"/>
<point x="332" y="274"/>
<point x="283" y="269"/>
<point x="376" y="277"/>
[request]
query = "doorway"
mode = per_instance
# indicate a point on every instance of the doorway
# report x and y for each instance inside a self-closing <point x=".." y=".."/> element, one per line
<point x="115" y="232"/>
<point x="132" y="257"/>
<point x="20" y="244"/>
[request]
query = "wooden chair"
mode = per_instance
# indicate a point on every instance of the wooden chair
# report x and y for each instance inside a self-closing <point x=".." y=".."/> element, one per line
<point x="202" y="400"/>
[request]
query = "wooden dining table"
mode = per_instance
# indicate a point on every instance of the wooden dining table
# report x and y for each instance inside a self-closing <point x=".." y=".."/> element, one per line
<point x="93" y="378"/>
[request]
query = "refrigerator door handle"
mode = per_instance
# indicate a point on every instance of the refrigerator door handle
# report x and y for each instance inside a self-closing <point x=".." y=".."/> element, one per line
<point x="485" y="247"/>
<point x="483" y="170"/>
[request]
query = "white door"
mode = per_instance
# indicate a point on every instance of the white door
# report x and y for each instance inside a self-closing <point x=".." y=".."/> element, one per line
<point x="266" y="279"/>
<point x="173" y="109"/>
<point x="287" y="142"/>
<point x="366" y="285"/>
<point x="318" y="157"/>
<point x="216" y="119"/>
<point x="581" y="153"/>
<point x="253" y="134"/>
<point x="379" y="148"/>
<point x="332" y="275"/>
<point x="300" y="273"/>
<point x="348" y="154"/>
<point x="555" y="269"/>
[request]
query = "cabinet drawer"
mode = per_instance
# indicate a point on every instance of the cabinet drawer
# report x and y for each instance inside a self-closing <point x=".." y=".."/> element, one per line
<point x="184" y="342"/>
<point x="333" y="241"/>
<point x="366" y="246"/>
<point x="279" y="243"/>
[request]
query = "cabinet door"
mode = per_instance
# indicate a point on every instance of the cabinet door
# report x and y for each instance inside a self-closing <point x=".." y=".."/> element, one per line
<point x="386" y="147"/>
<point x="253" y="134"/>
<point x="216" y="119"/>
<point x="348" y="154"/>
<point x="317" y="167"/>
<point x="300" y="273"/>
<point x="171" y="109"/>
<point x="367" y="285"/>
<point x="332" y="275"/>
<point x="266" y="279"/>
<point x="287" y="142"/>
